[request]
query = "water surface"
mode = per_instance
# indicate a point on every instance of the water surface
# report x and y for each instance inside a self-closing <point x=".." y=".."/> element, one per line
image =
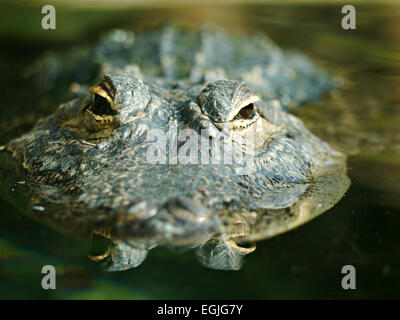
<point x="362" y="119"/>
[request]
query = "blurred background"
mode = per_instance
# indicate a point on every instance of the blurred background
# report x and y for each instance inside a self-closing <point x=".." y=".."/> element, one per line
<point x="361" y="119"/>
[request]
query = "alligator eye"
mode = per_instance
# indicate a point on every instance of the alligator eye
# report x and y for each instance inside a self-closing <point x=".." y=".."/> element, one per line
<point x="99" y="113"/>
<point x="103" y="98"/>
<point x="101" y="106"/>
<point x="246" y="112"/>
<point x="228" y="100"/>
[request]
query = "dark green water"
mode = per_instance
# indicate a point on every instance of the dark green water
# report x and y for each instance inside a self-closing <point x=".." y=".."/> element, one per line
<point x="362" y="119"/>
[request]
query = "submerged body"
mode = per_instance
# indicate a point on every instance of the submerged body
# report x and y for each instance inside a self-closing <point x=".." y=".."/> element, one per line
<point x="175" y="154"/>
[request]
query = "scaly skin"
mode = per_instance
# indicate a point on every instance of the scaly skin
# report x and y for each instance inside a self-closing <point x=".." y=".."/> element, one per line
<point x="91" y="158"/>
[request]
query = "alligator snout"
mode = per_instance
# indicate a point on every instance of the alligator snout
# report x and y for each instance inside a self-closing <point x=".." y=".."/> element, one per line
<point x="180" y="221"/>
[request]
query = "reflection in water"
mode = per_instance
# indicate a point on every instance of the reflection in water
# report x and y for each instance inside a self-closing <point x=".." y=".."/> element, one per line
<point x="88" y="166"/>
<point x="360" y="119"/>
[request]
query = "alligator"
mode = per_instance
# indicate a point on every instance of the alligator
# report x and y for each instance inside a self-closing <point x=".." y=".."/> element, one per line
<point x="185" y="141"/>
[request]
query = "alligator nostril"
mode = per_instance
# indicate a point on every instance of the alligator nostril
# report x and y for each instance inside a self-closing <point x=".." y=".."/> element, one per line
<point x="187" y="210"/>
<point x="141" y="210"/>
